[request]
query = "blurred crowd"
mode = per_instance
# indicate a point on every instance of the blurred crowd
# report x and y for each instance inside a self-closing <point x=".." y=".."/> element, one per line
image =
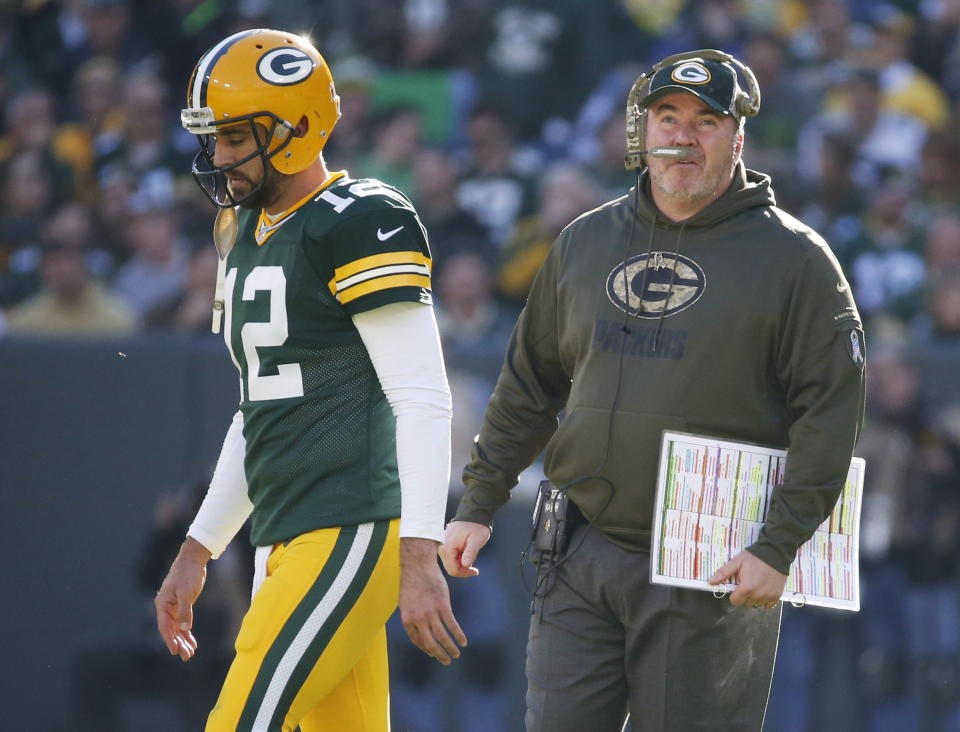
<point x="503" y="120"/>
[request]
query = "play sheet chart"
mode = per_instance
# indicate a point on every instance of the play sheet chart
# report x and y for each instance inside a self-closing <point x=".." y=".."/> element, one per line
<point x="712" y="499"/>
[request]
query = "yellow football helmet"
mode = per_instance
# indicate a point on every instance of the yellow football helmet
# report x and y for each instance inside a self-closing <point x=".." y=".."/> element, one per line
<point x="265" y="77"/>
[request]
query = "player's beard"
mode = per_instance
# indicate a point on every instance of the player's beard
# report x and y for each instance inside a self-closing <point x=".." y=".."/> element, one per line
<point x="714" y="178"/>
<point x="271" y="188"/>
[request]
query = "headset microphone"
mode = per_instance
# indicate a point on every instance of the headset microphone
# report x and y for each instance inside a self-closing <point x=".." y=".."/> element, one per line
<point x="680" y="153"/>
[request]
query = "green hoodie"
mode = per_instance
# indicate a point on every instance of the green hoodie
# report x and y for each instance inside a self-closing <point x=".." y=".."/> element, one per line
<point x="747" y="330"/>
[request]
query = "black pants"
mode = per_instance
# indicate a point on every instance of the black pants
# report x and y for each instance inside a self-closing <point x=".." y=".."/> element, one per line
<point x="604" y="641"/>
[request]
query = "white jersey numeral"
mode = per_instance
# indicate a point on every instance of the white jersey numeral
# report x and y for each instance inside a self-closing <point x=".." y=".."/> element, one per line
<point x="360" y="190"/>
<point x="288" y="381"/>
<point x="339" y="203"/>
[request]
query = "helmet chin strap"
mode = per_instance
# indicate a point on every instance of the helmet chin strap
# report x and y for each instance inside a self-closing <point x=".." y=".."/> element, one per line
<point x="225" y="230"/>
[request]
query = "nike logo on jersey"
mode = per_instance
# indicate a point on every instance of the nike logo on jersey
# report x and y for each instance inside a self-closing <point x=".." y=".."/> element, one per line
<point x="384" y="236"/>
<point x="841" y="287"/>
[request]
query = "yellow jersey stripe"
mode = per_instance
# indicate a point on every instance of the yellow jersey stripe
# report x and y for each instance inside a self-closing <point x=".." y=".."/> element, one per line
<point x="376" y="260"/>
<point x="383" y="283"/>
<point x="392" y="269"/>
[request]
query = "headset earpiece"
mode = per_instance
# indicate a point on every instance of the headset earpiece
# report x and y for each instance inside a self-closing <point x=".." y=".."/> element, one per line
<point x="745" y="103"/>
<point x="636" y="124"/>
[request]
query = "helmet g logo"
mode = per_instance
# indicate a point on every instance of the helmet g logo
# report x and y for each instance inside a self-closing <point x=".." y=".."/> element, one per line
<point x="284" y="66"/>
<point x="691" y="73"/>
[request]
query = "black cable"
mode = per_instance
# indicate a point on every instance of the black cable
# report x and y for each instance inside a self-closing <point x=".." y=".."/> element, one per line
<point x="547" y="577"/>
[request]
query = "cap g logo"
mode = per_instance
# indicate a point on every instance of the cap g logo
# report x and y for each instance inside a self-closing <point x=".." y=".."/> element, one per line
<point x="284" y="66"/>
<point x="691" y="73"/>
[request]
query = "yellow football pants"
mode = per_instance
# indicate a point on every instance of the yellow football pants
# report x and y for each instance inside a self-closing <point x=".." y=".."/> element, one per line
<point x="312" y="649"/>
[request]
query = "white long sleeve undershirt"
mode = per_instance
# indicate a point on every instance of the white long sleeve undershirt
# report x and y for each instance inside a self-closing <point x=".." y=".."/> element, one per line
<point x="226" y="505"/>
<point x="404" y="347"/>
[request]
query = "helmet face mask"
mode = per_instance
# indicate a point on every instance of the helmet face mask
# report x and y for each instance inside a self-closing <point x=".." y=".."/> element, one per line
<point x="275" y="82"/>
<point x="212" y="179"/>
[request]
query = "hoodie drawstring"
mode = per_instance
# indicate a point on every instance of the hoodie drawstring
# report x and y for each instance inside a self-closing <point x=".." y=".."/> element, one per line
<point x="673" y="277"/>
<point x="643" y="283"/>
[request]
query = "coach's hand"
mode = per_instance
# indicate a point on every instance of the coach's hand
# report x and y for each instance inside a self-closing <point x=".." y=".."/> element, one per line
<point x="425" y="602"/>
<point x="461" y="545"/>
<point x="759" y="585"/>
<point x="174" y="601"/>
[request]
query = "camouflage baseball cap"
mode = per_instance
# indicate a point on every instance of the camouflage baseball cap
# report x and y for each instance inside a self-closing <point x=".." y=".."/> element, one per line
<point x="713" y="82"/>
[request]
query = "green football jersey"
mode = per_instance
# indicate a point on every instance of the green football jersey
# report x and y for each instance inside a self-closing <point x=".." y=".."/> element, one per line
<point x="320" y="435"/>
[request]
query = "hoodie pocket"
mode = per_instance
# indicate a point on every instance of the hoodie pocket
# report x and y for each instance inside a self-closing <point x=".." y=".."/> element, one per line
<point x="609" y="467"/>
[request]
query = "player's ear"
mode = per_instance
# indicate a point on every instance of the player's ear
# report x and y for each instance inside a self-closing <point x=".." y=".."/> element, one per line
<point x="302" y="126"/>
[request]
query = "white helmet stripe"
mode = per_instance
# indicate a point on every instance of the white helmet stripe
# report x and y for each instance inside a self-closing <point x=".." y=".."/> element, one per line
<point x="198" y="94"/>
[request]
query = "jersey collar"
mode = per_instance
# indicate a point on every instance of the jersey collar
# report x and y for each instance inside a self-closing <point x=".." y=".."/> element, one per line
<point x="267" y="224"/>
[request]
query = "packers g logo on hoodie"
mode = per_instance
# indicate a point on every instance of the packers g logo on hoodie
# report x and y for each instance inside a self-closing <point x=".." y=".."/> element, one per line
<point x="655" y="285"/>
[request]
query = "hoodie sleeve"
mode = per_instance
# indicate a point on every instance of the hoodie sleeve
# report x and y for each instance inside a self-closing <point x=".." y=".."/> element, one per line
<point x="820" y="364"/>
<point x="522" y="414"/>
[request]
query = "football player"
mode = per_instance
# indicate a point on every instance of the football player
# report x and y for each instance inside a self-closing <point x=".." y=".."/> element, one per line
<point x="340" y="450"/>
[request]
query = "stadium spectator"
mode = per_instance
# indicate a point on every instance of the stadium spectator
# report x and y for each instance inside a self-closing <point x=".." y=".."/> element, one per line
<point x="70" y="302"/>
<point x="188" y="311"/>
<point x="606" y="168"/>
<point x="885" y="260"/>
<point x="935" y="44"/>
<point x="196" y="26"/>
<point x="451" y="229"/>
<point x="72" y="224"/>
<point x="938" y="186"/>
<point x="496" y="185"/>
<point x="474" y="326"/>
<point x="788" y="102"/>
<point x="889" y="142"/>
<point x="705" y="24"/>
<point x="541" y="60"/>
<point x="115" y="186"/>
<point x="910" y="672"/>
<point x="107" y="29"/>
<point x="156" y="270"/>
<point x="828" y="38"/>
<point x="93" y="115"/>
<point x="445" y="33"/>
<point x="30" y="118"/>
<point x="834" y="204"/>
<point x="26" y="199"/>
<point x="565" y="191"/>
<point x="891" y="443"/>
<point x="941" y="256"/>
<point x="147" y="141"/>
<point x="356" y="75"/>
<point x="904" y="88"/>
<point x="598" y="129"/>
<point x="397" y="136"/>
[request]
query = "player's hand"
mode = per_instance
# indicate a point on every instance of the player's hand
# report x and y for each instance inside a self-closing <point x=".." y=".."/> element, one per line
<point x="425" y="602"/>
<point x="759" y="585"/>
<point x="462" y="543"/>
<point x="174" y="601"/>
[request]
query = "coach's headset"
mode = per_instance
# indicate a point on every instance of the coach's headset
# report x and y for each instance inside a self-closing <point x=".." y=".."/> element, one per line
<point x="745" y="104"/>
